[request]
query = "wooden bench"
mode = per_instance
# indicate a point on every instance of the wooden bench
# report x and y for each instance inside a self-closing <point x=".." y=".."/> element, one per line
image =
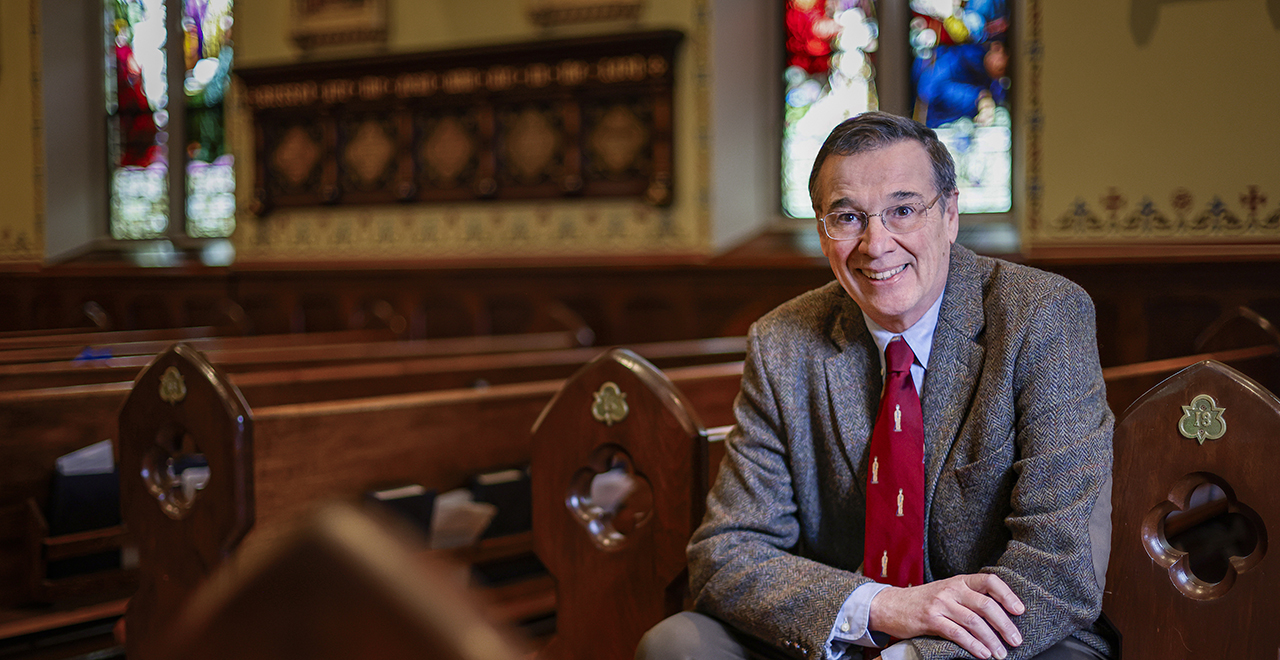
<point x="327" y="349"/>
<point x="273" y="464"/>
<point x="620" y="572"/>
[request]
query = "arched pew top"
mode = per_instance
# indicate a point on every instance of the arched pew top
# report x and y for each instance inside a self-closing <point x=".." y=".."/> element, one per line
<point x="1205" y="425"/>
<point x="338" y="584"/>
<point x="618" y="475"/>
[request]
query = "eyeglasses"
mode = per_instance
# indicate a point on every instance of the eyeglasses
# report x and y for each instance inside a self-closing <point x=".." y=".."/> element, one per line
<point x="898" y="219"/>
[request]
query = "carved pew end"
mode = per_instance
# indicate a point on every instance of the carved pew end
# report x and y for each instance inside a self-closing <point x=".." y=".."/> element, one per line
<point x="338" y="585"/>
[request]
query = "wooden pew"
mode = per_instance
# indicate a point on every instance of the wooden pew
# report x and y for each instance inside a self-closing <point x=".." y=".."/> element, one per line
<point x="323" y="351"/>
<point x="613" y="585"/>
<point x="1161" y="606"/>
<point x="106" y="350"/>
<point x="38" y="426"/>
<point x="618" y="570"/>
<point x="1126" y="383"/>
<point x="288" y="457"/>
<point x="338" y="585"/>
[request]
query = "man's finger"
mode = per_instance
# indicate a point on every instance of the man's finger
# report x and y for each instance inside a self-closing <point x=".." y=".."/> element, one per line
<point x="993" y="586"/>
<point x="949" y="628"/>
<point x="994" y="615"/>
<point x="973" y="622"/>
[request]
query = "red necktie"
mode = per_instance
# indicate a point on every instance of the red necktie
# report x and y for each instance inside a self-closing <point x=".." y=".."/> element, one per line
<point x="895" y="479"/>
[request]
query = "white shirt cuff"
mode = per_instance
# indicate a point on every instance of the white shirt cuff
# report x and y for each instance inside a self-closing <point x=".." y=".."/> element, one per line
<point x="850" y="627"/>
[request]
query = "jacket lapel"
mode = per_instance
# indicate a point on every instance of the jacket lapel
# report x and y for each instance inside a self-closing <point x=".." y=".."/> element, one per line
<point x="853" y="384"/>
<point x="955" y="365"/>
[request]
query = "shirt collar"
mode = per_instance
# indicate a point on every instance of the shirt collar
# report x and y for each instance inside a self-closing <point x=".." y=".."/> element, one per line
<point x="919" y="336"/>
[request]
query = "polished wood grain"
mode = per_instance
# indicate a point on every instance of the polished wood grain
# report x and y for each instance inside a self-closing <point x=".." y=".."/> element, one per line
<point x="610" y="589"/>
<point x="1157" y="467"/>
<point x="213" y="420"/>
<point x="326" y="349"/>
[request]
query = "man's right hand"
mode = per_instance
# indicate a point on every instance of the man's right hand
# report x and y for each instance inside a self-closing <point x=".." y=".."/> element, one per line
<point x="967" y="609"/>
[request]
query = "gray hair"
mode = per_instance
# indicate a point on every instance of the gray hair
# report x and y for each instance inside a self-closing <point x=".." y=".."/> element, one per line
<point x="873" y="130"/>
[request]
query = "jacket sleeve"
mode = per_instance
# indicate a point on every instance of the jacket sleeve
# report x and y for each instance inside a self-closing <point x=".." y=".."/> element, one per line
<point x="744" y="564"/>
<point x="1055" y="558"/>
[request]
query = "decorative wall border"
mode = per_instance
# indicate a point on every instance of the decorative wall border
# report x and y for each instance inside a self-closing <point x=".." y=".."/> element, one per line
<point x="1035" y="117"/>
<point x="1117" y="216"/>
<point x="1122" y="218"/>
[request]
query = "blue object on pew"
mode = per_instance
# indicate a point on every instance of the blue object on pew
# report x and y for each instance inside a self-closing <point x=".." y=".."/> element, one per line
<point x="90" y="353"/>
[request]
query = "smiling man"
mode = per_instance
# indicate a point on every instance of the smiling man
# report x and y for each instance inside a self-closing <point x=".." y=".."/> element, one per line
<point x="921" y="465"/>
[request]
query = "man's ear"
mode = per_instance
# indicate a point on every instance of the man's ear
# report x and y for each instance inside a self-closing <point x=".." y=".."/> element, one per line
<point x="952" y="217"/>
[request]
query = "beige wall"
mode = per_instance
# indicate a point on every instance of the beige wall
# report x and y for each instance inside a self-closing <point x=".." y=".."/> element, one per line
<point x="1159" y="110"/>
<point x="21" y="230"/>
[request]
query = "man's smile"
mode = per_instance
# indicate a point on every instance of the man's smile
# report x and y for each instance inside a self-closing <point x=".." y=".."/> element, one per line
<point x="883" y="275"/>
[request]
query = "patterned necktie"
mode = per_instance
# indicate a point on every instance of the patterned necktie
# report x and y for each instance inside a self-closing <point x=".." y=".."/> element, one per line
<point x="895" y="481"/>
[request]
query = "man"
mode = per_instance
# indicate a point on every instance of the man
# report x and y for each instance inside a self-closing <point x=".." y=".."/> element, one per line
<point x="988" y="534"/>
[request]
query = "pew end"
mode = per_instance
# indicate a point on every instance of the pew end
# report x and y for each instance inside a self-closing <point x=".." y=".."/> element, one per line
<point x="181" y="413"/>
<point x="339" y="584"/>
<point x="1206" y="428"/>
<point x="615" y="544"/>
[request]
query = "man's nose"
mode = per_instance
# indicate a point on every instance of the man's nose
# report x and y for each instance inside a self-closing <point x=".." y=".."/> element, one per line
<point x="876" y="238"/>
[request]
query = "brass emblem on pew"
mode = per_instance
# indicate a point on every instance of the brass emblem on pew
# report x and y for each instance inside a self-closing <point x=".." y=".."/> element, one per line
<point x="1202" y="420"/>
<point x="610" y="404"/>
<point x="172" y="387"/>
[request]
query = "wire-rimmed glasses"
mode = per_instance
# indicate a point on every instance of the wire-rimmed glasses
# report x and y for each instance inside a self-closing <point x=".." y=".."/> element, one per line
<point x="898" y="219"/>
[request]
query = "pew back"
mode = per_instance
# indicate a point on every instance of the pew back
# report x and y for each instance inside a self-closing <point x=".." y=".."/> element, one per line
<point x="1206" y="426"/>
<point x="305" y="453"/>
<point x="617" y="456"/>
<point x="181" y="411"/>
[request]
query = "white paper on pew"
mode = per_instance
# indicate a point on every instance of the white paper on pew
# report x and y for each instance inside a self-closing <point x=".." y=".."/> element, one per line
<point x="610" y="490"/>
<point x="193" y="479"/>
<point x="459" y="520"/>
<point x="94" y="459"/>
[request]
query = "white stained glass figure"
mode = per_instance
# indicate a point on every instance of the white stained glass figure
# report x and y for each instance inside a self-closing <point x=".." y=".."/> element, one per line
<point x="829" y="78"/>
<point x="137" y="98"/>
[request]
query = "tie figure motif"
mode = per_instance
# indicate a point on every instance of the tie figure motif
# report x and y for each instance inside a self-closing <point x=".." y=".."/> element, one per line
<point x="895" y="494"/>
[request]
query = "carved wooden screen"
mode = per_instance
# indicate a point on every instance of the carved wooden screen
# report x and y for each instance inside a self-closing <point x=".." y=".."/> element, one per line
<point x="581" y="117"/>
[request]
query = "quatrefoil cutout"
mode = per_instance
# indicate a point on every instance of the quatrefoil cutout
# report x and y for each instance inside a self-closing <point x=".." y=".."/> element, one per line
<point x="175" y="472"/>
<point x="609" y="498"/>
<point x="1179" y="562"/>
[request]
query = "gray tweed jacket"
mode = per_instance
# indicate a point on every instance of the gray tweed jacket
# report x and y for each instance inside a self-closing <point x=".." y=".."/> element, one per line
<point x="1017" y="453"/>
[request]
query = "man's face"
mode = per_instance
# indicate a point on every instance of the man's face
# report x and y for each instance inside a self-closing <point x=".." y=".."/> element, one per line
<point x="894" y="278"/>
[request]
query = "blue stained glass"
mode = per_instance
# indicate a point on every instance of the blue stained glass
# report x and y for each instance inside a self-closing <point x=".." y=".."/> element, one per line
<point x="962" y="90"/>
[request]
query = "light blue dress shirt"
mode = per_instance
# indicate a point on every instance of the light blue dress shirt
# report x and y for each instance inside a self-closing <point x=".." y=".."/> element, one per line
<point x="850" y="628"/>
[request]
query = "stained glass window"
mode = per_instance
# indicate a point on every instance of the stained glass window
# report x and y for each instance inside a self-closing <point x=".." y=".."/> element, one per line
<point x="211" y="200"/>
<point x="138" y="97"/>
<point x="830" y="76"/>
<point x="961" y="86"/>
